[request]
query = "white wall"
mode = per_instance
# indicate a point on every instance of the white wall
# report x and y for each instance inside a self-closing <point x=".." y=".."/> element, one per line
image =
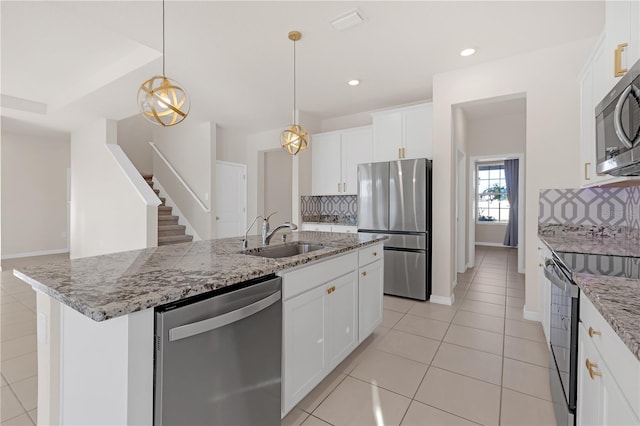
<point x="34" y="194"/>
<point x="107" y="213"/>
<point x="231" y="145"/>
<point x="346" y="122"/>
<point x="134" y="135"/>
<point x="548" y="78"/>
<point x="277" y="181"/>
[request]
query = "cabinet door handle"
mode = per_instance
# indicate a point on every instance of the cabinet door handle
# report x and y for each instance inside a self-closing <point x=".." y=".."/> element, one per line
<point x="400" y="153"/>
<point x="586" y="171"/>
<point x="331" y="289"/>
<point x="593" y="332"/>
<point x="619" y="71"/>
<point x="364" y="273"/>
<point x="339" y="187"/>
<point x="590" y="366"/>
<point x="375" y="253"/>
<point x="344" y="187"/>
<point x="404" y="154"/>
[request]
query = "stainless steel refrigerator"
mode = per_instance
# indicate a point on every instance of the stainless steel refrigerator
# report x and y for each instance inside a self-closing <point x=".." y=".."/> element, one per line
<point x="394" y="198"/>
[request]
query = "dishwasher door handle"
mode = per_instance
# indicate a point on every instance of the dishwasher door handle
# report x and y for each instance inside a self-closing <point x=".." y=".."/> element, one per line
<point x="203" y="326"/>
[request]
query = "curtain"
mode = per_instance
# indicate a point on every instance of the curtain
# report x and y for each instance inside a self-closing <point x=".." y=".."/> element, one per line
<point x="511" y="180"/>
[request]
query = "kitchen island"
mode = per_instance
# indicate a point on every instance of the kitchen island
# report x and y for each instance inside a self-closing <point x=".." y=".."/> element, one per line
<point x="96" y="316"/>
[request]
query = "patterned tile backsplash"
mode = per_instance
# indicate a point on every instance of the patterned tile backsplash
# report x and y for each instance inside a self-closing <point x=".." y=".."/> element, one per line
<point x="341" y="209"/>
<point x="590" y="206"/>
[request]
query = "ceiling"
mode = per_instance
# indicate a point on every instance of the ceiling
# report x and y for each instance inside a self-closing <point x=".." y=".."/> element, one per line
<point x="66" y="62"/>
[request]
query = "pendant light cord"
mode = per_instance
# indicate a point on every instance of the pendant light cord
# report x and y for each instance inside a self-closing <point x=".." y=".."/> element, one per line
<point x="294" y="82"/>
<point x="163" y="71"/>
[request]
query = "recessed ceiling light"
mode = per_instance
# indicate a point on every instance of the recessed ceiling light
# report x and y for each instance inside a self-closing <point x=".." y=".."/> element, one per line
<point x="468" y="52"/>
<point x="354" y="82"/>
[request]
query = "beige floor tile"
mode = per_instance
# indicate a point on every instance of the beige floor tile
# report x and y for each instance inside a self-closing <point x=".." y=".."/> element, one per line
<point x="320" y="392"/>
<point x="433" y="311"/>
<point x="6" y="300"/>
<point x="33" y="414"/>
<point x="314" y="421"/>
<point x="480" y="321"/>
<point x="27" y="392"/>
<point x="459" y="293"/>
<point x="526" y="378"/>
<point x="496" y="299"/>
<point x="516" y="284"/>
<point x="411" y="346"/>
<point x="295" y="417"/>
<point x="391" y="372"/>
<point x="3" y="382"/>
<point x="516" y="302"/>
<point x="515" y="313"/>
<point x="21" y="420"/>
<point x="12" y="308"/>
<point x="525" y="410"/>
<point x="20" y="329"/>
<point x="16" y="347"/>
<point x="526" y="350"/>
<point x="463" y="396"/>
<point x="16" y="317"/>
<point x="355" y="357"/>
<point x="397" y="304"/>
<point x="485" y="280"/>
<point x="483" y="308"/>
<point x="420" y="414"/>
<point x="515" y="292"/>
<point x="469" y="362"/>
<point x="20" y="368"/>
<point x="10" y="405"/>
<point x="462" y="286"/>
<point x="390" y="318"/>
<point x="355" y="402"/>
<point x="473" y="338"/>
<point x="524" y="330"/>
<point x="493" y="289"/>
<point x="424" y="327"/>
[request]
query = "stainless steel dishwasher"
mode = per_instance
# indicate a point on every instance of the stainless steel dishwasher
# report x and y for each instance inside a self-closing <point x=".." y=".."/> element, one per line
<point x="218" y="360"/>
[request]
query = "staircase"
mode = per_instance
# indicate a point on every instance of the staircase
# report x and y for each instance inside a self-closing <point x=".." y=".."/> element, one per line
<point x="169" y="232"/>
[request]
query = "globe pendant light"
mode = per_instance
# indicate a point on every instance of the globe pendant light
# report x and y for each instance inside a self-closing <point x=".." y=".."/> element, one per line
<point x="161" y="99"/>
<point x="295" y="138"/>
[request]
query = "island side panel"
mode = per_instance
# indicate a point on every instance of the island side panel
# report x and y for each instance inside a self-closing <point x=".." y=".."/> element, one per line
<point x="48" y="319"/>
<point x="106" y="369"/>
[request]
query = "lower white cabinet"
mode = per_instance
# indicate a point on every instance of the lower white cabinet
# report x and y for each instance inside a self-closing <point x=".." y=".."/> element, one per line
<point x="325" y="227"/>
<point x="608" y="373"/>
<point x="328" y="308"/>
<point x="544" y="294"/>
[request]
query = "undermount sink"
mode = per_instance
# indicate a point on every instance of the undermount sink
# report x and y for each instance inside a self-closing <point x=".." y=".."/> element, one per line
<point x="287" y="250"/>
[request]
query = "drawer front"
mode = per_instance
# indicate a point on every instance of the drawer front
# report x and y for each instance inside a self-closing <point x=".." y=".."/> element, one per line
<point x="344" y="228"/>
<point x="310" y="276"/>
<point x="370" y="254"/>
<point x="318" y="227"/>
<point x="624" y="366"/>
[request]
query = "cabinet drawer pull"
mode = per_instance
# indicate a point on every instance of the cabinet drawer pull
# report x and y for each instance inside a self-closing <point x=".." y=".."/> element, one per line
<point x="364" y="273"/>
<point x="403" y="153"/>
<point x="586" y="171"/>
<point x="590" y="366"/>
<point x="375" y="253"/>
<point x="619" y="71"/>
<point x="593" y="332"/>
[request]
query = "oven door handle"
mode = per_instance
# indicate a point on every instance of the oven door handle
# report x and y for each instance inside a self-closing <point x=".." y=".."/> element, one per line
<point x="558" y="281"/>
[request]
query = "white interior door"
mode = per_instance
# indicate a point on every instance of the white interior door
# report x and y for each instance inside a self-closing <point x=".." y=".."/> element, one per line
<point x="231" y="199"/>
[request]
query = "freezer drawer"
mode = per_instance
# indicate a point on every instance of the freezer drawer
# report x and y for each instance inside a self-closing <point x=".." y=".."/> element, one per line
<point x="405" y="273"/>
<point x="407" y="241"/>
<point x="218" y="361"/>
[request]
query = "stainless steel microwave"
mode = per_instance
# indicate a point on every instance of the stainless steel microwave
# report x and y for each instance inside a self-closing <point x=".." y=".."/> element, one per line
<point x="618" y="127"/>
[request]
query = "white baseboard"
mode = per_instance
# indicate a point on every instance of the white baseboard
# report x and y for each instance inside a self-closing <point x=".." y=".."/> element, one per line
<point x="441" y="300"/>
<point x="531" y="315"/>
<point x="491" y="244"/>
<point x="34" y="253"/>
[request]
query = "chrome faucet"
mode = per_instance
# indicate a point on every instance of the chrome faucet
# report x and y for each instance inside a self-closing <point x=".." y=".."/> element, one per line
<point x="266" y="234"/>
<point x="244" y="242"/>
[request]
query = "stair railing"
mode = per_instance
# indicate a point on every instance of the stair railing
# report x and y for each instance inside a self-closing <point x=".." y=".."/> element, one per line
<point x="179" y="178"/>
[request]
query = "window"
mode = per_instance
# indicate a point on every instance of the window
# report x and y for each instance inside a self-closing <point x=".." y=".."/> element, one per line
<point x="493" y="205"/>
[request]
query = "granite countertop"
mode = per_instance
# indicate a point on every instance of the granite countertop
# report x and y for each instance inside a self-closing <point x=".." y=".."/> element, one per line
<point x="612" y="241"/>
<point x="616" y="298"/>
<point x="112" y="285"/>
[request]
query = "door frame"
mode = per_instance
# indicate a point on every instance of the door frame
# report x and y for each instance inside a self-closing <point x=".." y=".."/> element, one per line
<point x="521" y="203"/>
<point x="461" y="229"/>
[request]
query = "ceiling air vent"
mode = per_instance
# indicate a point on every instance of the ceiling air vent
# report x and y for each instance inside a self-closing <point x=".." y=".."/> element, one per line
<point x="347" y="20"/>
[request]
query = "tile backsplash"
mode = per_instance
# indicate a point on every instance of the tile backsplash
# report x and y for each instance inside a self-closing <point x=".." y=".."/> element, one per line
<point x="608" y="207"/>
<point x="341" y="209"/>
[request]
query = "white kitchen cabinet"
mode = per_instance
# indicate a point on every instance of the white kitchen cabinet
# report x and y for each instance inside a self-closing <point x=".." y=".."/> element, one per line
<point x="325" y="227"/>
<point x="544" y="291"/>
<point x="609" y="383"/>
<point x="335" y="160"/>
<point x="622" y="34"/>
<point x="347" y="229"/>
<point x="403" y="133"/>
<point x="370" y="290"/>
<point x="319" y="323"/>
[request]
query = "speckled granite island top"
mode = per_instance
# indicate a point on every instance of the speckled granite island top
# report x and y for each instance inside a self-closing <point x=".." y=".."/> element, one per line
<point x="616" y="298"/>
<point x="112" y="285"/>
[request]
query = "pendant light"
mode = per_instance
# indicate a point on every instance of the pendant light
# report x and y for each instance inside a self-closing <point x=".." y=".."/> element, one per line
<point x="161" y="99"/>
<point x="295" y="138"/>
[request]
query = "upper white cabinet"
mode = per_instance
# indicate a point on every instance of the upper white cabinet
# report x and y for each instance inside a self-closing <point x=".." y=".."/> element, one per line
<point x="335" y="160"/>
<point x="622" y="31"/>
<point x="403" y="133"/>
